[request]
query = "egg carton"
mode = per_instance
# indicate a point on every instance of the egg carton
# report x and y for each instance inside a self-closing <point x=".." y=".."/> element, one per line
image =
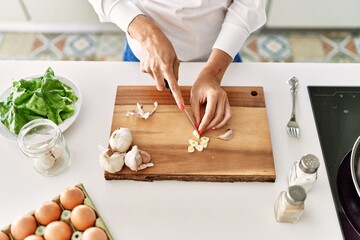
<point x="65" y="217"/>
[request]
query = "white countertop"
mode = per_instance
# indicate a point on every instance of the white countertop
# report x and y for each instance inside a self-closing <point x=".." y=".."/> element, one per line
<point x="172" y="209"/>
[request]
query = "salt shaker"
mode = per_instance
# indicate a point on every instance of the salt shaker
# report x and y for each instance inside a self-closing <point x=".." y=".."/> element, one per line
<point x="304" y="172"/>
<point x="42" y="141"/>
<point x="289" y="206"/>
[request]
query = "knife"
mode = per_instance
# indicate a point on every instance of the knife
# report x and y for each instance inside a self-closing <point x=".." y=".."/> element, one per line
<point x="185" y="111"/>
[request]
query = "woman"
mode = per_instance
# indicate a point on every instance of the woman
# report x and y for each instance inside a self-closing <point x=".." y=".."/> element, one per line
<point x="162" y="33"/>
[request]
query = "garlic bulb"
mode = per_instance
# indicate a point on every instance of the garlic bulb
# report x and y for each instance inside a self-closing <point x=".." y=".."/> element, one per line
<point x="48" y="160"/>
<point x="44" y="163"/>
<point x="137" y="159"/>
<point x="121" y="140"/>
<point x="133" y="158"/>
<point x="111" y="162"/>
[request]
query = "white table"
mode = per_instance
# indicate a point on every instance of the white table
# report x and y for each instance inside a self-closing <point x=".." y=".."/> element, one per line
<point x="172" y="209"/>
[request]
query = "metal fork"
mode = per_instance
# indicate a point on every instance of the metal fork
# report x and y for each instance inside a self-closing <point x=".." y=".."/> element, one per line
<point x="292" y="126"/>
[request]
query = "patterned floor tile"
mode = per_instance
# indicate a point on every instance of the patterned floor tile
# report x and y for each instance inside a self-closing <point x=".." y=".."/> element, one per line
<point x="262" y="46"/>
<point x="1" y="38"/>
<point x="81" y="47"/>
<point x="48" y="47"/>
<point x="16" y="45"/>
<point x="275" y="47"/>
<point x="339" y="47"/>
<point x="306" y="47"/>
<point x="357" y="42"/>
<point x="110" y="47"/>
<point x="249" y="51"/>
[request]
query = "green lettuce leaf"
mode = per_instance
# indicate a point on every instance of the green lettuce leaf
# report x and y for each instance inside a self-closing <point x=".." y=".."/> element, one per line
<point x="40" y="97"/>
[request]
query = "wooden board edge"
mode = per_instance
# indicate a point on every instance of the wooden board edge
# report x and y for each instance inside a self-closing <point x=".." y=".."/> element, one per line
<point x="191" y="178"/>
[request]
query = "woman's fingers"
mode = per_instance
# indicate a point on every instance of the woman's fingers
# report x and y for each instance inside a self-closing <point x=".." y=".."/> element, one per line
<point x="209" y="112"/>
<point x="226" y="116"/>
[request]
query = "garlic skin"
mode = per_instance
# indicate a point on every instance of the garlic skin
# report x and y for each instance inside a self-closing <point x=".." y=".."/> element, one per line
<point x="146" y="158"/>
<point x="111" y="163"/>
<point x="121" y="140"/>
<point x="227" y="135"/>
<point x="133" y="158"/>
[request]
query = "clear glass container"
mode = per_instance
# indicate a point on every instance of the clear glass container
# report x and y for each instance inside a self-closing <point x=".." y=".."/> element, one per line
<point x="304" y="172"/>
<point x="289" y="206"/>
<point x="42" y="141"/>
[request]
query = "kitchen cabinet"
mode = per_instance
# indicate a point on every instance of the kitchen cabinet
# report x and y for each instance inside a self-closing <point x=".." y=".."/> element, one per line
<point x="50" y="16"/>
<point x="309" y="14"/>
<point x="11" y="11"/>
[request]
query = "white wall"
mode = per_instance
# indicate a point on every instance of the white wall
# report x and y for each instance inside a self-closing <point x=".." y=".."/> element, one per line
<point x="313" y="14"/>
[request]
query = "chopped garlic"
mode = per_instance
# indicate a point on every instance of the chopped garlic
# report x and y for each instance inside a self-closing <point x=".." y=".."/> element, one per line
<point x="196" y="134"/>
<point x="193" y="142"/>
<point x="204" y="144"/>
<point x="199" y="147"/>
<point x="191" y="149"/>
<point x="204" y="139"/>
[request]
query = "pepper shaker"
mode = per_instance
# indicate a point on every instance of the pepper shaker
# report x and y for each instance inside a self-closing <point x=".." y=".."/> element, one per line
<point x="289" y="206"/>
<point x="304" y="172"/>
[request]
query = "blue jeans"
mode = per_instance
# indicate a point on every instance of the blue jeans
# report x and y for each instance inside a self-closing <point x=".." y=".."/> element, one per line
<point x="128" y="55"/>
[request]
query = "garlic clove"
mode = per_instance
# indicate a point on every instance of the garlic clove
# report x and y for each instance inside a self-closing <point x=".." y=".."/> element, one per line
<point x="205" y="139"/>
<point x="199" y="147"/>
<point x="227" y="135"/>
<point x="111" y="162"/>
<point x="196" y="134"/>
<point x="193" y="142"/>
<point x="204" y="144"/>
<point x="191" y="149"/>
<point x="121" y="140"/>
<point x="146" y="158"/>
<point x="133" y="158"/>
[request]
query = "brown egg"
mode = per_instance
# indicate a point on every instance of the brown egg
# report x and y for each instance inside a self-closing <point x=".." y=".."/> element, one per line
<point x="82" y="217"/>
<point x="94" y="233"/>
<point x="57" y="230"/>
<point x="34" y="237"/>
<point x="23" y="226"/>
<point x="71" y="197"/>
<point x="3" y="236"/>
<point x="48" y="212"/>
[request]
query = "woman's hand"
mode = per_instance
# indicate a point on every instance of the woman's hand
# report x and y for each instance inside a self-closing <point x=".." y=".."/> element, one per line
<point x="206" y="89"/>
<point x="158" y="58"/>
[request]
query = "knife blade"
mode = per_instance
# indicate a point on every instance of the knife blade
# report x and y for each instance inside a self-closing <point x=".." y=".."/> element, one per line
<point x="185" y="111"/>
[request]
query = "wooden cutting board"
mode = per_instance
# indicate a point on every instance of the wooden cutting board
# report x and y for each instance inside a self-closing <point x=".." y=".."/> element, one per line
<point x="165" y="135"/>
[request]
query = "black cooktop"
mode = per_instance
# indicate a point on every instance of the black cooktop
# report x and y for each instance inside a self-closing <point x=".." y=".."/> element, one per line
<point x="337" y="117"/>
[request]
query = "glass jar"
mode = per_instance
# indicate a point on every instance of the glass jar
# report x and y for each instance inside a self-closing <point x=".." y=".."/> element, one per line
<point x="304" y="172"/>
<point x="289" y="206"/>
<point x="42" y="141"/>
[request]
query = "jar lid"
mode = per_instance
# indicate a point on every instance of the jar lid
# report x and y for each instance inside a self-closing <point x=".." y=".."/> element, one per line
<point x="309" y="163"/>
<point x="295" y="195"/>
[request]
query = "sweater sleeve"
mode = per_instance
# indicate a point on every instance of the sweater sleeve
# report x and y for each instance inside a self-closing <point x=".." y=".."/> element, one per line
<point x="120" y="12"/>
<point x="242" y="18"/>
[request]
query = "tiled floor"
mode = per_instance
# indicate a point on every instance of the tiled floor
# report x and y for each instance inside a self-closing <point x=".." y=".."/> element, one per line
<point x="264" y="46"/>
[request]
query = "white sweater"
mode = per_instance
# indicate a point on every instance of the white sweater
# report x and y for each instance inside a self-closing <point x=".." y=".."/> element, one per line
<point x="194" y="27"/>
